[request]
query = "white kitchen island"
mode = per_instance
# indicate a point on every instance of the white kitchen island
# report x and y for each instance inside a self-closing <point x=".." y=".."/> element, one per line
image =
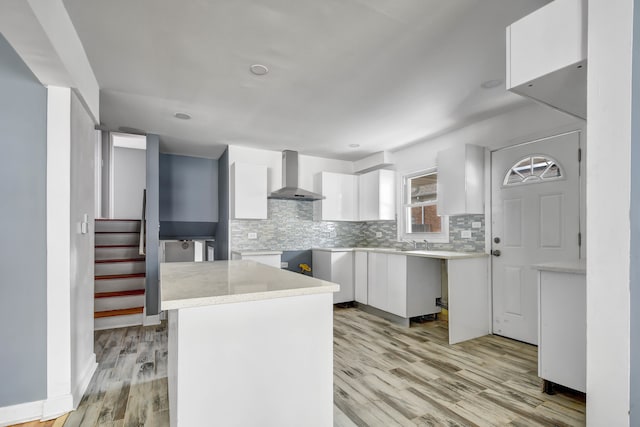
<point x="249" y="345"/>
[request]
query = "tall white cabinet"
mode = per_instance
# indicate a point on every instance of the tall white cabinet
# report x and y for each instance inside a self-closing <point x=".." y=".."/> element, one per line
<point x="377" y="195"/>
<point x="248" y="188"/>
<point x="461" y="180"/>
<point x="335" y="265"/>
<point x="341" y="197"/>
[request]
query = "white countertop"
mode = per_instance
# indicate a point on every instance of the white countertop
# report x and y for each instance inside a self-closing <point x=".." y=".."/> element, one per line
<point x="578" y="266"/>
<point x="419" y="253"/>
<point x="195" y="284"/>
<point x="257" y="252"/>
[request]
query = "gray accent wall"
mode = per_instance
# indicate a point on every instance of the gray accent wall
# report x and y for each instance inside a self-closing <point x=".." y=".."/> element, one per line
<point x="23" y="291"/>
<point x="222" y="234"/>
<point x="290" y="227"/>
<point x="153" y="225"/>
<point x="188" y="189"/>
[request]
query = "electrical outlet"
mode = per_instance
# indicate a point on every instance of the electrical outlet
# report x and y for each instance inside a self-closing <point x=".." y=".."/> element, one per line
<point x="476" y="224"/>
<point x="284" y="264"/>
<point x="252" y="236"/>
<point x="465" y="234"/>
<point x="378" y="233"/>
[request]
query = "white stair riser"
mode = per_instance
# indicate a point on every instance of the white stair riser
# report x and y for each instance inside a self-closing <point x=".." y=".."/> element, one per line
<point x="117" y="253"/>
<point x="117" y="321"/>
<point x="117" y="303"/>
<point x="105" y="269"/>
<point x="115" y="285"/>
<point x="117" y="226"/>
<point x="117" y="239"/>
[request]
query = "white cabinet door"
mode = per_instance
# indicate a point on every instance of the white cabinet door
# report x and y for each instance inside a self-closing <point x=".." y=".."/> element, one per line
<point x="377" y="275"/>
<point x="377" y="195"/>
<point x="341" y="196"/>
<point x="248" y="190"/>
<point x="336" y="267"/>
<point x="396" y="285"/>
<point x="360" y="264"/>
<point x="461" y="180"/>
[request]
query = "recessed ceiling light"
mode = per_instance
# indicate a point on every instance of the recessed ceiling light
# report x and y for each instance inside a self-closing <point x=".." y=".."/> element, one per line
<point x="259" y="69"/>
<point x="182" y="116"/>
<point x="490" y="84"/>
<point x="354" y="145"/>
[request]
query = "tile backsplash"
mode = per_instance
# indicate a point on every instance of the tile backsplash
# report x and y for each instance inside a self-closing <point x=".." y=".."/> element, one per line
<point x="290" y="226"/>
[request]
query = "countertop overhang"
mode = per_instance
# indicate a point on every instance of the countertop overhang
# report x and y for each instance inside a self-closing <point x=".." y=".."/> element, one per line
<point x="196" y="284"/>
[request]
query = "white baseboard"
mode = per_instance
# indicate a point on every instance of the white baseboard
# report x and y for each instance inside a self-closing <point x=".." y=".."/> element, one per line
<point x="151" y="320"/>
<point x="21" y="413"/>
<point x="85" y="379"/>
<point x="56" y="406"/>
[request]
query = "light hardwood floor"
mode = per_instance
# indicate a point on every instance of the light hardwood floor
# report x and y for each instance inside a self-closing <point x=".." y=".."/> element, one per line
<point x="384" y="375"/>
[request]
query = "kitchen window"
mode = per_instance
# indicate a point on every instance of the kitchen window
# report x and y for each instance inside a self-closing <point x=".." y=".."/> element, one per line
<point x="420" y="215"/>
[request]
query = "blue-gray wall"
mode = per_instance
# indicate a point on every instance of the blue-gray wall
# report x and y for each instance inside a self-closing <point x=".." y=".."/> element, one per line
<point x="188" y="189"/>
<point x="222" y="235"/>
<point x="153" y="225"/>
<point x="634" y="300"/>
<point x="23" y="260"/>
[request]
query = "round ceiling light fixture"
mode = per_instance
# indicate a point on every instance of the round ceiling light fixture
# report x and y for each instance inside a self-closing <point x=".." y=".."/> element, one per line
<point x="354" y="145"/>
<point x="182" y="116"/>
<point x="490" y="84"/>
<point x="259" y="69"/>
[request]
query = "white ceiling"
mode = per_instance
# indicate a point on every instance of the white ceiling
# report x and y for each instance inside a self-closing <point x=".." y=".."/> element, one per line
<point x="379" y="73"/>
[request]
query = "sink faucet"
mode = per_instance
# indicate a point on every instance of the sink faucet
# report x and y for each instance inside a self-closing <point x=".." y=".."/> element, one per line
<point x="426" y="244"/>
<point x="413" y="242"/>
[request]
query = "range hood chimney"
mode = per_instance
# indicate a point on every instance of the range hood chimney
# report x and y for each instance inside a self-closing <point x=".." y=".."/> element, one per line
<point x="290" y="189"/>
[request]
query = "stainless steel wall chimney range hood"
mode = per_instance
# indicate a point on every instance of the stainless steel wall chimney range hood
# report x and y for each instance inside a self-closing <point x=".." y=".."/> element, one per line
<point x="290" y="189"/>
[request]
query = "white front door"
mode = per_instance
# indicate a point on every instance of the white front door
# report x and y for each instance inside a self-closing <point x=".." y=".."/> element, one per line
<point x="535" y="199"/>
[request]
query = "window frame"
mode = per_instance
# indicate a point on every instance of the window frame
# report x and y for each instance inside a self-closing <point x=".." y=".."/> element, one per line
<point x="405" y="208"/>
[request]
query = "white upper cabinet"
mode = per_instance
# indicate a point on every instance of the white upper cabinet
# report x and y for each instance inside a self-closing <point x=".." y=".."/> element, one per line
<point x="341" y="197"/>
<point x="377" y="198"/>
<point x="547" y="56"/>
<point x="461" y="180"/>
<point x="248" y="188"/>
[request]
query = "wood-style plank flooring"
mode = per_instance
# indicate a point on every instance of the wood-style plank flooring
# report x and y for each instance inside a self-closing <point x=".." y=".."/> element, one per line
<point x="384" y="375"/>
<point x="389" y="375"/>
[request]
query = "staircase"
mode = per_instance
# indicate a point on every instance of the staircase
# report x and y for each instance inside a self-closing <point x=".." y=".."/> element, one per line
<point x="119" y="274"/>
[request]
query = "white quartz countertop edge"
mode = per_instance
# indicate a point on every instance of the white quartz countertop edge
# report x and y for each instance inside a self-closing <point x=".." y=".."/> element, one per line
<point x="254" y="296"/>
<point x="418" y="253"/>
<point x="579" y="266"/>
<point x="257" y="252"/>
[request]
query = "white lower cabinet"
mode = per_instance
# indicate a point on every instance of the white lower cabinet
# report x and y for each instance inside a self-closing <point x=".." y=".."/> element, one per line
<point x="360" y="276"/>
<point x="336" y="267"/>
<point x="403" y="285"/>
<point x="267" y="258"/>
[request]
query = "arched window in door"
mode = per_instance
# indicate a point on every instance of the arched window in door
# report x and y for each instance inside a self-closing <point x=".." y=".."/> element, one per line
<point x="534" y="169"/>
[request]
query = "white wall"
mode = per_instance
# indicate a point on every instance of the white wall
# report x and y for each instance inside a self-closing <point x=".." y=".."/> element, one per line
<point x="129" y="181"/>
<point x="526" y="123"/>
<point x="83" y="137"/>
<point x="608" y="202"/>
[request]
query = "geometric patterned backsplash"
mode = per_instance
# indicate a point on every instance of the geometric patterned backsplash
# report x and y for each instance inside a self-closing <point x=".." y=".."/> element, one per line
<point x="290" y="226"/>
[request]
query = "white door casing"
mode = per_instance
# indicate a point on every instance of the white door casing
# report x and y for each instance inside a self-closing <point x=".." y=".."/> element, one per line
<point x="536" y="219"/>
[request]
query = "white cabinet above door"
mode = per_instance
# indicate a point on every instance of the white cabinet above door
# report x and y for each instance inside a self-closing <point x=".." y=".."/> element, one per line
<point x="377" y="195"/>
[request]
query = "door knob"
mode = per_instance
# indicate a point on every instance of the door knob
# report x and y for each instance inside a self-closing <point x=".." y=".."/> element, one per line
<point x="495" y="252"/>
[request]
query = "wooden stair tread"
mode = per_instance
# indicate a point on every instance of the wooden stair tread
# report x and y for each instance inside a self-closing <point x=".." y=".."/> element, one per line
<point x="120" y="276"/>
<point x="107" y="261"/>
<point x="117" y="232"/>
<point x="120" y="312"/>
<point x="119" y="293"/>
<point x="116" y="246"/>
